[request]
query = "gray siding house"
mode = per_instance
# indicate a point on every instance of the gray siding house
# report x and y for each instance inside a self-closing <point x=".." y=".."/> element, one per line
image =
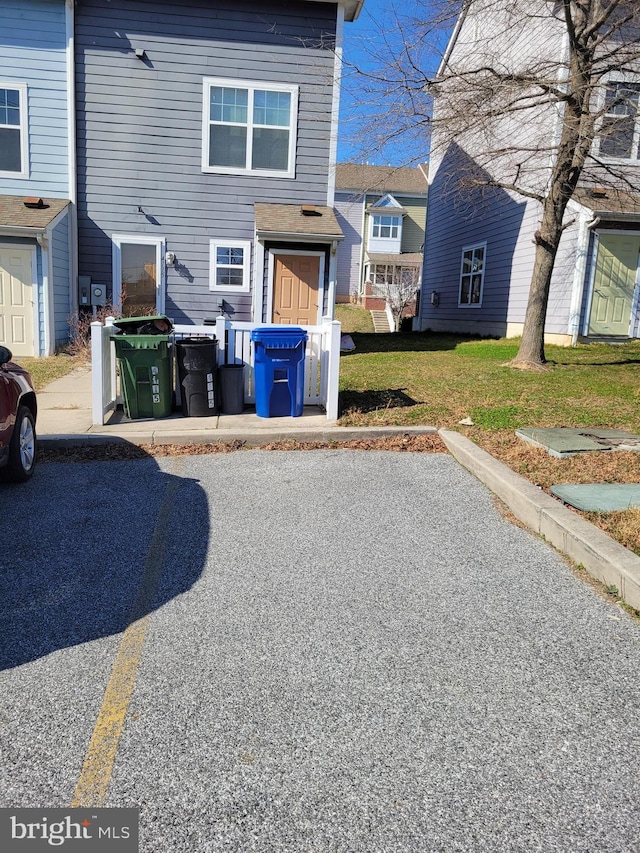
<point x="206" y="142"/>
<point x="37" y="180"/>
<point x="479" y="245"/>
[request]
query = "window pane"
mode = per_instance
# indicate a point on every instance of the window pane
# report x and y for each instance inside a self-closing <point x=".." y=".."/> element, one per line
<point x="230" y="277"/>
<point x="229" y="255"/>
<point x="622" y="100"/>
<point x="10" y="107"/>
<point x="464" y="288"/>
<point x="270" y="149"/>
<point x="475" y="288"/>
<point x="139" y="279"/>
<point x="272" y="108"/>
<point x="478" y="260"/>
<point x="228" y="146"/>
<point x="616" y="137"/>
<point x="10" y="155"/>
<point x="229" y="105"/>
<point x="466" y="263"/>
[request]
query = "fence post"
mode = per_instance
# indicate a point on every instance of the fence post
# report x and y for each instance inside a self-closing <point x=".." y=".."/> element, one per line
<point x="103" y="371"/>
<point x="221" y="337"/>
<point x="333" y="369"/>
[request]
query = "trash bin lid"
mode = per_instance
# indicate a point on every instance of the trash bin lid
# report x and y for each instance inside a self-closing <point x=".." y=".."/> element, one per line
<point x="150" y="325"/>
<point x="279" y="337"/>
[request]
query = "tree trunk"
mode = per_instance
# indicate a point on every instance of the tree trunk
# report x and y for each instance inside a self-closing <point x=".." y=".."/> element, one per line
<point x="531" y="351"/>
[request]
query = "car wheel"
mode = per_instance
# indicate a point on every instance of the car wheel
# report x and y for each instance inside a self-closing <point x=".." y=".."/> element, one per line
<point x="22" y="448"/>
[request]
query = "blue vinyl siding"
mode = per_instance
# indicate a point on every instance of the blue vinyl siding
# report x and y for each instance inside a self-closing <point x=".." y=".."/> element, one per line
<point x="140" y="128"/>
<point x="34" y="52"/>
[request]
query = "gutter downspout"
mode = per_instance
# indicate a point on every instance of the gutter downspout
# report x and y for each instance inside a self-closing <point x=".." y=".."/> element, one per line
<point x="71" y="155"/>
<point x="578" y="292"/>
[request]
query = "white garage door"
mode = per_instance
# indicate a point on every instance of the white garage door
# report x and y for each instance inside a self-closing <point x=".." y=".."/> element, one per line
<point x="16" y="300"/>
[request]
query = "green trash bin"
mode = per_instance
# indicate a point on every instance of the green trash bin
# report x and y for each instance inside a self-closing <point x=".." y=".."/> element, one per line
<point x="143" y="349"/>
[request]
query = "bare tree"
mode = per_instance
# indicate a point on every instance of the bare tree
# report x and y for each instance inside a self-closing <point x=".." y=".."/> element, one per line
<point x="542" y="92"/>
<point x="400" y="293"/>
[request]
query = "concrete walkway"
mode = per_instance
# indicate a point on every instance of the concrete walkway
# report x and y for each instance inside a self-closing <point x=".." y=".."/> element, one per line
<point x="65" y="416"/>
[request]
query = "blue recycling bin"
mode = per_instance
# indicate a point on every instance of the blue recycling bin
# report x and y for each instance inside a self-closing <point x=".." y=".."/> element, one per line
<point x="279" y="370"/>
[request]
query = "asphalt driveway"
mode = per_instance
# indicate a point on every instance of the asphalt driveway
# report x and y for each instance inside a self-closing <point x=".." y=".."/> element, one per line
<point x="327" y="652"/>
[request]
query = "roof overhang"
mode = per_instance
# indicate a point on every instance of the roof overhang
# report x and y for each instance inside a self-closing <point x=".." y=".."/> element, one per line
<point x="29" y="217"/>
<point x="352" y="8"/>
<point x="297" y="223"/>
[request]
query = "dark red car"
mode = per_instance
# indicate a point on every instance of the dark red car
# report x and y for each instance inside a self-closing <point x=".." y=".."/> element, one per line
<point x="18" y="409"/>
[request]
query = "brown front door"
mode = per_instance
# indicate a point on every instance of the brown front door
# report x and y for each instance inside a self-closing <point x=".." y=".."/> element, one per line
<point x="295" y="290"/>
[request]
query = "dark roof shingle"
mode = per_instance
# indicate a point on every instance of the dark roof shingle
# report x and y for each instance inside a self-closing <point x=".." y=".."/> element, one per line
<point x="14" y="212"/>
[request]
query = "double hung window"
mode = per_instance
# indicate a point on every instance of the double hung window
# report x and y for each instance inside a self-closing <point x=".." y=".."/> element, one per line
<point x="249" y="127"/>
<point x="13" y="130"/>
<point x="620" y="128"/>
<point x="472" y="275"/>
<point x="229" y="265"/>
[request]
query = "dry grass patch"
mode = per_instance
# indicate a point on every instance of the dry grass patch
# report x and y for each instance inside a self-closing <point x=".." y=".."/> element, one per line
<point x="603" y="466"/>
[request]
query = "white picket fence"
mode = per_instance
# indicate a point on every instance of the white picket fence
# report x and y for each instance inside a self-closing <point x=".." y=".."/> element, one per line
<point x="321" y="364"/>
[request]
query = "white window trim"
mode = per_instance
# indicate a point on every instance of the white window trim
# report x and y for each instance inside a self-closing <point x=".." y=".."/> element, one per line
<point x="398" y="217"/>
<point x="251" y="86"/>
<point x="24" y="129"/>
<point x="245" y="245"/>
<point x="159" y="243"/>
<point x="471" y="248"/>
<point x="619" y="79"/>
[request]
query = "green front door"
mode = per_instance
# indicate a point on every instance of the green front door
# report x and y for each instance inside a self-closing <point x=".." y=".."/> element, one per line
<point x="614" y="283"/>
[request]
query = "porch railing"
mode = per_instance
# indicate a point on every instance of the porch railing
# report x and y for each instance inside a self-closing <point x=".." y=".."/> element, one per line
<point x="321" y="363"/>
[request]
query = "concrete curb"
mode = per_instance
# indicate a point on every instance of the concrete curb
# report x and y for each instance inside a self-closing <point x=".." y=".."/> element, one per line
<point x="603" y="557"/>
<point x="252" y="437"/>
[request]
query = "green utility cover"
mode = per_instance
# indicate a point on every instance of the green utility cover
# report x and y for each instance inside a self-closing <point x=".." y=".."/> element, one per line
<point x="599" y="497"/>
<point x="565" y="441"/>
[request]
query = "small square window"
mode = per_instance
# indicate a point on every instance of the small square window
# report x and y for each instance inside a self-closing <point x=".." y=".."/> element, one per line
<point x="230" y="266"/>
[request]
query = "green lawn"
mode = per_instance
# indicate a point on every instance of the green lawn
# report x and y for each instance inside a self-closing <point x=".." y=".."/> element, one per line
<point x="441" y="379"/>
<point x="354" y="319"/>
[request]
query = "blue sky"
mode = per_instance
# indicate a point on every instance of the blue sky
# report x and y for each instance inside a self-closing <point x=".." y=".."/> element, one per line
<point x="367" y="40"/>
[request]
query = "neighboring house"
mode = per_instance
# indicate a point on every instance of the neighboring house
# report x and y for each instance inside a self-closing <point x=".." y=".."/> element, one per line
<point x="206" y="145"/>
<point x="37" y="232"/>
<point x="479" y="246"/>
<point x="382" y="211"/>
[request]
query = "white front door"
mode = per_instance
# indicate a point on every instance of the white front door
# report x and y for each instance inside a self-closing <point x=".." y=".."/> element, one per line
<point x="17" y="300"/>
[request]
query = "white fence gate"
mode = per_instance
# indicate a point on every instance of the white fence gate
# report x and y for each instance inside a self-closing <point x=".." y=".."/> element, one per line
<point x="321" y="361"/>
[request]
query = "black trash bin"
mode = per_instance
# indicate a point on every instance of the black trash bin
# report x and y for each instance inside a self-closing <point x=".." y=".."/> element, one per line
<point x="197" y="359"/>
<point x="231" y="382"/>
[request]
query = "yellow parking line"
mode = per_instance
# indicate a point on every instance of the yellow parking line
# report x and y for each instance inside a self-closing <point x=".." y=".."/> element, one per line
<point x="96" y="771"/>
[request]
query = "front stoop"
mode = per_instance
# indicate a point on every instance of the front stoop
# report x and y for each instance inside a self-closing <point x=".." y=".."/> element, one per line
<point x="380" y="322"/>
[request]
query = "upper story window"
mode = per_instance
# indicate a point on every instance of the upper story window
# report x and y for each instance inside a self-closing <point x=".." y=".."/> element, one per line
<point x="385" y="227"/>
<point x="620" y="129"/>
<point x="13" y="130"/>
<point x="249" y="128"/>
<point x="472" y="275"/>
